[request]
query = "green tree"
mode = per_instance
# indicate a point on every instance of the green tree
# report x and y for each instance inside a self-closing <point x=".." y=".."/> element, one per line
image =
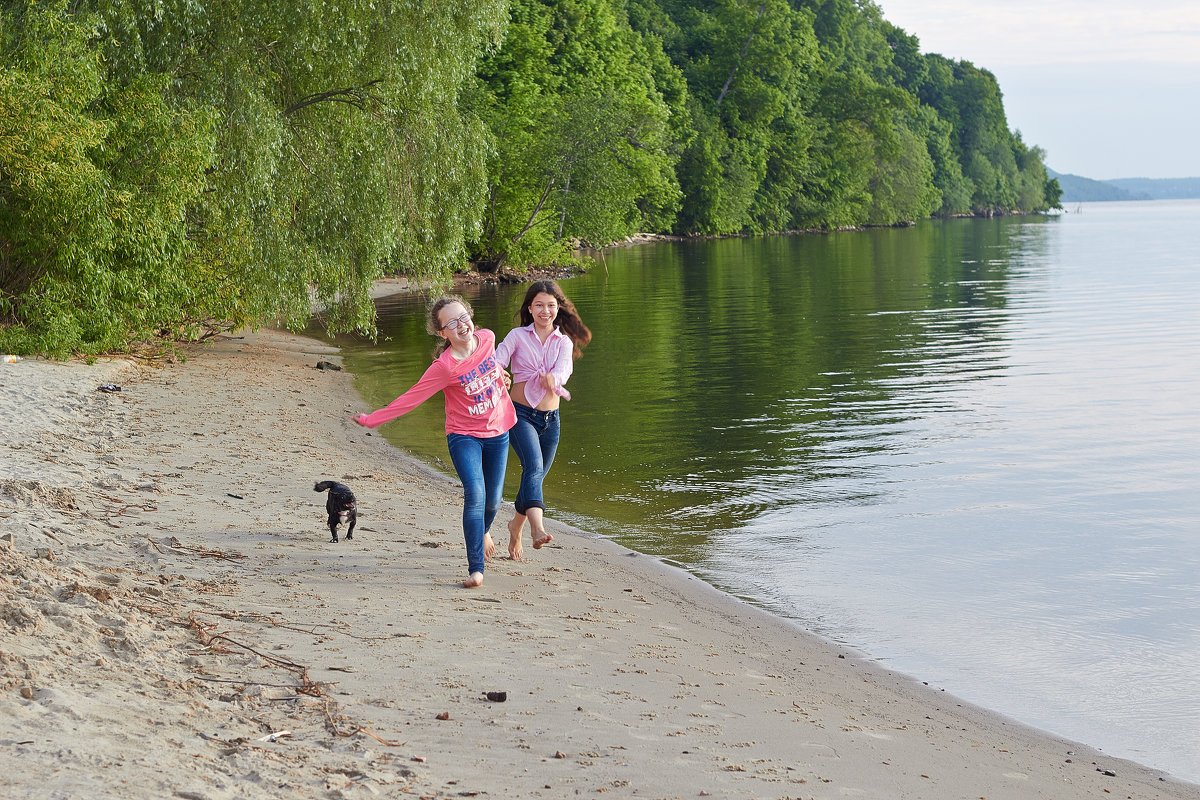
<point x="583" y="130"/>
<point x="748" y="67"/>
<point x="901" y="188"/>
<point x="909" y="70"/>
<point x="857" y="133"/>
<point x="95" y="182"/>
<point x="954" y="189"/>
<point x="330" y="142"/>
<point x="344" y="152"/>
<point x="853" y="36"/>
<point x="1036" y="191"/>
<point x="1002" y="173"/>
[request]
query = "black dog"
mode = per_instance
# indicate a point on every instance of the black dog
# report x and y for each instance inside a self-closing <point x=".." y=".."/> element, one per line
<point x="341" y="505"/>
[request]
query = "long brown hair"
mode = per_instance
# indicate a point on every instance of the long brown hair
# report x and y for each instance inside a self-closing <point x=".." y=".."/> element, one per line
<point x="568" y="320"/>
<point x="433" y="323"/>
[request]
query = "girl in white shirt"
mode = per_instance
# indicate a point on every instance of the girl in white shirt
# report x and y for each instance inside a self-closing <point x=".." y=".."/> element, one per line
<point x="540" y="355"/>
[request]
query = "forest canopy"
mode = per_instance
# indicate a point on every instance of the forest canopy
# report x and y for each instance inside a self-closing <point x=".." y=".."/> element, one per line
<point x="175" y="168"/>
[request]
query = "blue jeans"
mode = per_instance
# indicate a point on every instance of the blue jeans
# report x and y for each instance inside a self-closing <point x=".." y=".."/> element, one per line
<point x="535" y="440"/>
<point x="480" y="466"/>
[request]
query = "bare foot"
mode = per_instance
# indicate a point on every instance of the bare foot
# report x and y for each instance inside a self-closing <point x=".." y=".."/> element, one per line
<point x="476" y="579"/>
<point x="489" y="547"/>
<point x="515" y="526"/>
<point x="537" y="528"/>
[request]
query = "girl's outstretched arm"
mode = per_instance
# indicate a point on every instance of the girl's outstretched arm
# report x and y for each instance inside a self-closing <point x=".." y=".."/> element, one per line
<point x="436" y="378"/>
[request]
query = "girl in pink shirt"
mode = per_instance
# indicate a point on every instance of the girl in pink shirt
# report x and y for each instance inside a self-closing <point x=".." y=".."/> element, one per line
<point x="479" y="415"/>
<point x="541" y="356"/>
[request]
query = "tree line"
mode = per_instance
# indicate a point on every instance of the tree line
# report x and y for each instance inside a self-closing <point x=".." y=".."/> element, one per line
<point x="172" y="168"/>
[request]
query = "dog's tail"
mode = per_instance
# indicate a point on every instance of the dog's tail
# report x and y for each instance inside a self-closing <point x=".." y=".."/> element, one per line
<point x="323" y="486"/>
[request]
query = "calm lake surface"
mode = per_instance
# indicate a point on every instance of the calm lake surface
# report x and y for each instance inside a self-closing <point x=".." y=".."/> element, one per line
<point x="970" y="448"/>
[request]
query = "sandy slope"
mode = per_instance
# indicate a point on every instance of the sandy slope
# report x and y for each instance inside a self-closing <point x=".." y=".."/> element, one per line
<point x="169" y="600"/>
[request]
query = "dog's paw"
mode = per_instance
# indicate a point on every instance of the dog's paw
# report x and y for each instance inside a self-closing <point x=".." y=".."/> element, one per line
<point x="334" y="539"/>
<point x="349" y="535"/>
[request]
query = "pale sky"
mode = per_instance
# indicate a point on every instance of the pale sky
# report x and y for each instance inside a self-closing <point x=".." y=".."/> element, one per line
<point x="1108" y="88"/>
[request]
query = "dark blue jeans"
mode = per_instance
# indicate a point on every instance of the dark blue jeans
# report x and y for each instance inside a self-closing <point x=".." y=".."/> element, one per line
<point x="535" y="440"/>
<point x="480" y="466"/>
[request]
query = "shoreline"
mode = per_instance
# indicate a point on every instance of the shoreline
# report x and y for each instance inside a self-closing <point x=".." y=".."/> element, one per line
<point x="176" y="623"/>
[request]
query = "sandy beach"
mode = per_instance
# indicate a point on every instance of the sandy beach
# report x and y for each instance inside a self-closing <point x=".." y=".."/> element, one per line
<point x="174" y="622"/>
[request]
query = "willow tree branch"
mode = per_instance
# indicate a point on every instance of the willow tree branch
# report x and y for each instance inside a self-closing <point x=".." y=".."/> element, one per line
<point x="351" y="95"/>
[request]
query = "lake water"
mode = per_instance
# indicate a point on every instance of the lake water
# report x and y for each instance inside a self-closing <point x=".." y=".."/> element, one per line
<point x="970" y="448"/>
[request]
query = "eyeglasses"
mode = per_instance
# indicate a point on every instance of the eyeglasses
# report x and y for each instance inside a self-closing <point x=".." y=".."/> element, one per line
<point x="453" y="324"/>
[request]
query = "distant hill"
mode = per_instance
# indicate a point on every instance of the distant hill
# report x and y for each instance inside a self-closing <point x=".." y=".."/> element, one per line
<point x="1160" y="188"/>
<point x="1077" y="189"/>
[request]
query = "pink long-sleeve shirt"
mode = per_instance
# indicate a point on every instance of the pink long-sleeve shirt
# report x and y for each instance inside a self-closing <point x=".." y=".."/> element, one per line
<point x="477" y="403"/>
<point x="529" y="358"/>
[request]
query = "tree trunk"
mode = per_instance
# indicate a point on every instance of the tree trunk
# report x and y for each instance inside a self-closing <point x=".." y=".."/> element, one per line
<point x="725" y="89"/>
<point x="563" y="217"/>
<point x="537" y="210"/>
